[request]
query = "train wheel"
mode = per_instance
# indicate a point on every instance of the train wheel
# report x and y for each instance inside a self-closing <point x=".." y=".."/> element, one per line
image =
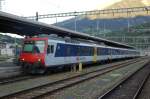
<point x="42" y="71"/>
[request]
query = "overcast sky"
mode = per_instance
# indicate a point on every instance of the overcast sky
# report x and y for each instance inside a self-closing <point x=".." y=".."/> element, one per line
<point x="29" y="7"/>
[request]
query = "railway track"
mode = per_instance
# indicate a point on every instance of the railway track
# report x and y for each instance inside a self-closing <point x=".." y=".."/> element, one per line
<point x="21" y="77"/>
<point x="130" y="86"/>
<point x="143" y="90"/>
<point x="8" y="71"/>
<point x="15" y="79"/>
<point x="40" y="91"/>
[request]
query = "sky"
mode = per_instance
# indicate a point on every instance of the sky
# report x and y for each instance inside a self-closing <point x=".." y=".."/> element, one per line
<point x="30" y="7"/>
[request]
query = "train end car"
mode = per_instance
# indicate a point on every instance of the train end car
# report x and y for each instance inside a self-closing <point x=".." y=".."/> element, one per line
<point x="32" y="57"/>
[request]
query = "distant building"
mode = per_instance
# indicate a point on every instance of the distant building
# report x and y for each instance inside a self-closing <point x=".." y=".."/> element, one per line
<point x="7" y="49"/>
<point x="2" y="45"/>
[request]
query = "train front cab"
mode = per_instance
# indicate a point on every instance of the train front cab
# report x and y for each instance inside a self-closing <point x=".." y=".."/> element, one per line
<point x="32" y="58"/>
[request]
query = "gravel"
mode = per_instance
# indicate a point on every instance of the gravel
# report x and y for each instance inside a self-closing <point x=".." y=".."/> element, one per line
<point x="145" y="93"/>
<point x="128" y="88"/>
<point x="94" y="87"/>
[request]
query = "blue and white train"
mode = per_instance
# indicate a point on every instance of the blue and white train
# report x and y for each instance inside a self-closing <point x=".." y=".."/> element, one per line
<point x="40" y="53"/>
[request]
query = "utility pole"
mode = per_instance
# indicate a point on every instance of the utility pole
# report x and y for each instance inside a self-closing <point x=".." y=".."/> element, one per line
<point x="1" y="5"/>
<point x="128" y="20"/>
<point x="97" y="25"/>
<point x="37" y="16"/>
<point x="75" y="23"/>
<point x="56" y="21"/>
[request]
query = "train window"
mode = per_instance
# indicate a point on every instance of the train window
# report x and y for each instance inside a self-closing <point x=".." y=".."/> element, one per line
<point x="50" y="49"/>
<point x="28" y="48"/>
<point x="78" y="51"/>
<point x="39" y="46"/>
<point x="84" y="51"/>
<point x="90" y="51"/>
<point x="34" y="46"/>
<point x="68" y="50"/>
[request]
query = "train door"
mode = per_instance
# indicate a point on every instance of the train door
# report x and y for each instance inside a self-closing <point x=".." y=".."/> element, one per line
<point x="95" y="54"/>
<point x="49" y="60"/>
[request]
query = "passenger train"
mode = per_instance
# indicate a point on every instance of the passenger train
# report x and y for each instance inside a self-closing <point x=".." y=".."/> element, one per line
<point x="40" y="53"/>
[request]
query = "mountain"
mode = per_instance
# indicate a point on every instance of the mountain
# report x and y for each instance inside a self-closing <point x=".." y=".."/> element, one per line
<point x="99" y="25"/>
<point x="94" y="24"/>
<point x="129" y="4"/>
<point x="123" y="4"/>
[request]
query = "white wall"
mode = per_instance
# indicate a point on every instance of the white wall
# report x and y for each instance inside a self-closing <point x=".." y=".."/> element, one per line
<point x="7" y="51"/>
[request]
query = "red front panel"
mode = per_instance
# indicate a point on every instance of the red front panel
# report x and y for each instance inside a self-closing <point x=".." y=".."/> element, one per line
<point x="34" y="57"/>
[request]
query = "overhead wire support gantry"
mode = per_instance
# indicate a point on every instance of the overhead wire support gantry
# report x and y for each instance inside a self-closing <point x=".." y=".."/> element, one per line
<point x="94" y="12"/>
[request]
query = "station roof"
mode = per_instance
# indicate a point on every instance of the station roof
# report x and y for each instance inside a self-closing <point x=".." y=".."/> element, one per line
<point x="17" y="25"/>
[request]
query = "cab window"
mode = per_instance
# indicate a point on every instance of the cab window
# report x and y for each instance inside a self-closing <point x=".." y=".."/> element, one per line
<point x="34" y="46"/>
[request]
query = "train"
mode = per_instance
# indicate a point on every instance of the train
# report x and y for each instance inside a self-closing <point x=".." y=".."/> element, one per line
<point x="41" y="53"/>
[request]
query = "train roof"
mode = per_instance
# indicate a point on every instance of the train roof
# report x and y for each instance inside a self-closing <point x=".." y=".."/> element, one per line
<point x="14" y="24"/>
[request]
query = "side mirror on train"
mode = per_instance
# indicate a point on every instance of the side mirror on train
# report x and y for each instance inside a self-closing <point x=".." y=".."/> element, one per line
<point x="48" y="49"/>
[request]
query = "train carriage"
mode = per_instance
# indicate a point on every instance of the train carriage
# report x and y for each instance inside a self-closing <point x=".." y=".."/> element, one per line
<point x="40" y="53"/>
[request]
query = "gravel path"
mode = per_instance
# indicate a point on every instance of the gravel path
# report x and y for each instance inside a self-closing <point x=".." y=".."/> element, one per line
<point x="128" y="88"/>
<point x="145" y="93"/>
<point x="23" y="85"/>
<point x="92" y="88"/>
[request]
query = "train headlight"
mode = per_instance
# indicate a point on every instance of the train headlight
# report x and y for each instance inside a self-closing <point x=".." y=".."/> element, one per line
<point x="22" y="59"/>
<point x="39" y="60"/>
